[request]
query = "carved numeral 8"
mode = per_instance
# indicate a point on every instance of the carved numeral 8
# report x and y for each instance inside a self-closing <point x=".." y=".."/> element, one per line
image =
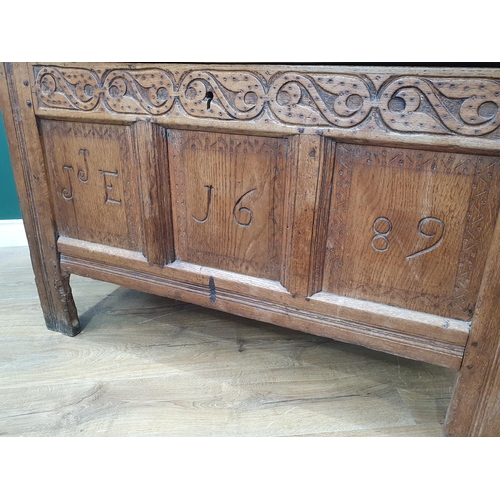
<point x="381" y="235"/>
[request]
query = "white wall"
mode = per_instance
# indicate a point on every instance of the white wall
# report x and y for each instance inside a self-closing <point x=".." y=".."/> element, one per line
<point x="12" y="233"/>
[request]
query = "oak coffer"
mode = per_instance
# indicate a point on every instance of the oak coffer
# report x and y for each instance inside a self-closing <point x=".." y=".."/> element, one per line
<point x="356" y="203"/>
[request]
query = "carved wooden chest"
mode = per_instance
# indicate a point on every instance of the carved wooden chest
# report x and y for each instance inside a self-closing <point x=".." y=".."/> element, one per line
<point x="357" y="203"/>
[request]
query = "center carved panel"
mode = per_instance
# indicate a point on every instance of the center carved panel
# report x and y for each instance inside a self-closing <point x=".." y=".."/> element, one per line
<point x="227" y="196"/>
<point x="411" y="228"/>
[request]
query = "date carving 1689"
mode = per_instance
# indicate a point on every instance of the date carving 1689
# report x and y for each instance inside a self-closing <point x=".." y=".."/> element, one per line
<point x="382" y="227"/>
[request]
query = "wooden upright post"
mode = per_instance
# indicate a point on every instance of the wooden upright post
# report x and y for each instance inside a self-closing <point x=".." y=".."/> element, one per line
<point x="475" y="407"/>
<point x="29" y="172"/>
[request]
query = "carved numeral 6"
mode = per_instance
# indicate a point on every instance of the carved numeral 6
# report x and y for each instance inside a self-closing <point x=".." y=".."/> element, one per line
<point x="239" y="218"/>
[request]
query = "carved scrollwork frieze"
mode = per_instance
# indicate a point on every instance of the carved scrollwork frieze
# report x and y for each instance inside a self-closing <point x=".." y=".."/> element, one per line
<point x="339" y="100"/>
<point x="76" y="89"/>
<point x="458" y="105"/>
<point x="406" y="104"/>
<point x="138" y="92"/>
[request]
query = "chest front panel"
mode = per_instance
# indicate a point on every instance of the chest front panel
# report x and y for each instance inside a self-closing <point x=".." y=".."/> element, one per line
<point x="411" y="228"/>
<point x="94" y="182"/>
<point x="227" y="199"/>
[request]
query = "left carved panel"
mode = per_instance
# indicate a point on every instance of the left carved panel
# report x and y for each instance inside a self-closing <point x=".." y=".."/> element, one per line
<point x="94" y="184"/>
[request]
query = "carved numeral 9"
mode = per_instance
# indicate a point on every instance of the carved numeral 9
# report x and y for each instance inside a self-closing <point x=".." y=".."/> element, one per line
<point x="421" y="229"/>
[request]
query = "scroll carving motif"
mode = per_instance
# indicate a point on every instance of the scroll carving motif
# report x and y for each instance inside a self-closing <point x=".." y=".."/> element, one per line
<point x="236" y="95"/>
<point x="73" y="89"/>
<point x="339" y="100"/>
<point x="462" y="106"/>
<point x="133" y="92"/>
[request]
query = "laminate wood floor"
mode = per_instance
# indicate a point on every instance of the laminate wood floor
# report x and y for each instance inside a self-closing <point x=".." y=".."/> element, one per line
<point x="151" y="366"/>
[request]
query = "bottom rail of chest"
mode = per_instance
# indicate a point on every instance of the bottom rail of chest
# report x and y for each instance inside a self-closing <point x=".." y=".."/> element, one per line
<point x="410" y="334"/>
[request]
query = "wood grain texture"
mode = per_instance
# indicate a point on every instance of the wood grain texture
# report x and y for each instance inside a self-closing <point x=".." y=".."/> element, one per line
<point x="228" y="201"/>
<point x="95" y="182"/>
<point x="411" y="228"/>
<point x="155" y="193"/>
<point x="29" y="172"/>
<point x="352" y="203"/>
<point x="420" y="337"/>
<point x="321" y="218"/>
<point x="151" y="366"/>
<point x="420" y="103"/>
<point x="475" y="408"/>
<point x="302" y="198"/>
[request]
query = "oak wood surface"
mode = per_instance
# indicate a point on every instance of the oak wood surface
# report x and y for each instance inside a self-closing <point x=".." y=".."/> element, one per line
<point x="303" y="188"/>
<point x="228" y="201"/>
<point x="150" y="366"/>
<point x="418" y="336"/>
<point x="95" y="182"/>
<point x="448" y="109"/>
<point x="475" y="409"/>
<point x="352" y="203"/>
<point x="152" y="152"/>
<point x="29" y="172"/>
<point x="411" y="228"/>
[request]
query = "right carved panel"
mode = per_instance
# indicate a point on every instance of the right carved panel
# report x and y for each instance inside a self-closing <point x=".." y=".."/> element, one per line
<point x="411" y="228"/>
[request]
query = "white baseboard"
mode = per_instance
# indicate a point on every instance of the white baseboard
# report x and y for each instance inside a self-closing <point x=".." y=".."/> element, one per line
<point x="12" y="233"/>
